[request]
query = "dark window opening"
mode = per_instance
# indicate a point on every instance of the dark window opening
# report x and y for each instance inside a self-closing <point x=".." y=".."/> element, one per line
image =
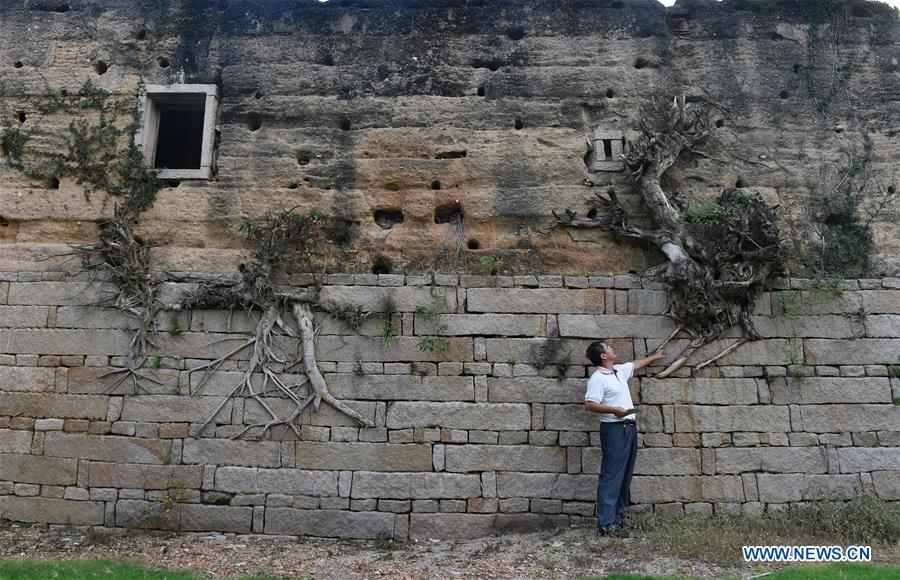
<point x="607" y="148"/>
<point x="480" y="91"/>
<point x="179" y="143"/>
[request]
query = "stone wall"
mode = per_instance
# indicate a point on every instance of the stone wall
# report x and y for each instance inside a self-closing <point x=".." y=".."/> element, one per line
<point x="470" y="441"/>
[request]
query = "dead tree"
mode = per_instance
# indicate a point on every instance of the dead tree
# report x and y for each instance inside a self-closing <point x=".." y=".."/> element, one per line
<point x="719" y="255"/>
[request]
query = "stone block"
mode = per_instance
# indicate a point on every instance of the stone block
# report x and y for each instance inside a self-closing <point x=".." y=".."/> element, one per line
<point x="570" y="418"/>
<point x="106" y="448"/>
<point x="54" y="405"/>
<point x="496" y="416"/>
<point x="363" y="456"/>
<point x="15" y="441"/>
<point x="277" y="481"/>
<point x="862" y="351"/>
<point x="88" y="380"/>
<point x="367" y="484"/>
<point x="58" y="341"/>
<point x="772" y="459"/>
<point x="547" y="485"/>
<point x="834" y="418"/>
<point x="175" y="408"/>
<point x="821" y="326"/>
<point x="215" y="518"/>
<point x="823" y="390"/>
<point x="667" y="461"/>
<point x="27" y="378"/>
<point x="862" y="459"/>
<point x="537" y="300"/>
<point x="401" y="387"/>
<point x="58" y="293"/>
<point x="402" y="348"/>
<point x="782" y="488"/>
<point x="38" y="469"/>
<point x="140" y="514"/>
<point x="406" y="299"/>
<point x="23" y="316"/>
<point x="651" y="302"/>
<point x="51" y="511"/>
<point x="506" y="523"/>
<point x="887" y="484"/>
<point x="701" y="391"/>
<point x="226" y="452"/>
<point x="620" y="326"/>
<point x="702" y="418"/>
<point x="877" y="326"/>
<point x="467" y="458"/>
<point x="691" y="488"/>
<point x="329" y="523"/>
<point x="445" y="526"/>
<point x="93" y="317"/>
<point x="129" y="475"/>
<point x="535" y="390"/>
<point x="482" y="325"/>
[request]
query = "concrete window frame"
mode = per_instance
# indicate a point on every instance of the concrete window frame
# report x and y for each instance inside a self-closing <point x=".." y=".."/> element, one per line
<point x="607" y="147"/>
<point x="153" y="98"/>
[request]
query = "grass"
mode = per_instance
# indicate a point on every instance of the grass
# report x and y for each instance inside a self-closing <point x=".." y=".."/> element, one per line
<point x="866" y="520"/>
<point x="862" y="571"/>
<point x="14" y="569"/>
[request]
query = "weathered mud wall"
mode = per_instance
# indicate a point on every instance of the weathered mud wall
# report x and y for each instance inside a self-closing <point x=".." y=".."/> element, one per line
<point x="357" y="107"/>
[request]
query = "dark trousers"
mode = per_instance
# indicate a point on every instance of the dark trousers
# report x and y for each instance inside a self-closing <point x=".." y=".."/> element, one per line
<point x="618" y="442"/>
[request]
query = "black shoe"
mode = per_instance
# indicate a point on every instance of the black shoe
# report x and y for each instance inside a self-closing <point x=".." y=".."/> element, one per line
<point x="613" y="530"/>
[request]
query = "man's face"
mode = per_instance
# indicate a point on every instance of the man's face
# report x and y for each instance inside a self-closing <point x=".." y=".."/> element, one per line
<point x="608" y="353"/>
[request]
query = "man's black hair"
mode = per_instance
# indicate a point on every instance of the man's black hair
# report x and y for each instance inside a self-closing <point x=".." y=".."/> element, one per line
<point x="593" y="352"/>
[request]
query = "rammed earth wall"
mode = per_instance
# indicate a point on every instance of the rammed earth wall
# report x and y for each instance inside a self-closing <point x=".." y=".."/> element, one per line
<point x="468" y="442"/>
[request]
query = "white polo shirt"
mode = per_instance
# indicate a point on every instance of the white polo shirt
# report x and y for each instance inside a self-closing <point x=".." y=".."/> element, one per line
<point x="611" y="388"/>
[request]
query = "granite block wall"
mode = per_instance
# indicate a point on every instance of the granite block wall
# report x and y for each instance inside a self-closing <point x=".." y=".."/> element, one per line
<point x="485" y="437"/>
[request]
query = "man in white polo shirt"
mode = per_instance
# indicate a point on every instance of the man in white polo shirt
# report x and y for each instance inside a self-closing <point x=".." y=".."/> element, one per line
<point x="608" y="394"/>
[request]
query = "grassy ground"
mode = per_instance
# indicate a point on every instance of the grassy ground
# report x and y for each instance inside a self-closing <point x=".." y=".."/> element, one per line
<point x="78" y="569"/>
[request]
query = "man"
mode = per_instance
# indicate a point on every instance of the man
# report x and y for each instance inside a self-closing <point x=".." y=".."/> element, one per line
<point x="608" y="394"/>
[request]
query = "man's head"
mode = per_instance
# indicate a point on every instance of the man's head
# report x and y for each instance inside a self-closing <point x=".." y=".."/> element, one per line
<point x="600" y="353"/>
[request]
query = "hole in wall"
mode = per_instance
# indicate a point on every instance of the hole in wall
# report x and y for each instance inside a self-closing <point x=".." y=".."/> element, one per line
<point x="173" y="183"/>
<point x="293" y="185"/>
<point x="327" y="59"/>
<point x="492" y="64"/>
<point x="392" y="186"/>
<point x="610" y="93"/>
<point x="388" y="218"/>
<point x="140" y="34"/>
<point x="720" y="123"/>
<point x="179" y="142"/>
<point x="641" y="62"/>
<point x="381" y="265"/>
<point x="435" y="185"/>
<point x="64" y="93"/>
<point x="592" y="213"/>
<point x="892" y="189"/>
<point x="519" y="124"/>
<point x="257" y="95"/>
<point x="784" y="94"/>
<point x="448" y="213"/>
<point x="345" y="124"/>
<point x="473" y="245"/>
<point x="836" y="219"/>
<point x="162" y="61"/>
<point x="517" y="33"/>
<point x="52" y="182"/>
<point x="101" y="67"/>
<point x="451" y="154"/>
<point x="796" y="68"/>
<point x="481" y="91"/>
<point x="254" y="121"/>
<point x="58" y="7"/>
<point x="22" y="116"/>
<point x="18" y="64"/>
<point x="740" y="183"/>
<point x="303" y="158"/>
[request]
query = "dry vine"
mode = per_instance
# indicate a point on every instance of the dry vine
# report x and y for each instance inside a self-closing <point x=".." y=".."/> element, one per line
<point x="720" y="255"/>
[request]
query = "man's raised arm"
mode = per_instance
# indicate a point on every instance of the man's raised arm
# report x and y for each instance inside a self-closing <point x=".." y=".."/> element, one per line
<point x="642" y="362"/>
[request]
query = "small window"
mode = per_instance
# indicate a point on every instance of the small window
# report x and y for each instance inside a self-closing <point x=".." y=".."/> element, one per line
<point x="177" y="134"/>
<point x="607" y="148"/>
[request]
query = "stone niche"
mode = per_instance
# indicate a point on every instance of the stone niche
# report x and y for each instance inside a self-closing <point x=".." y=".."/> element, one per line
<point x="606" y="149"/>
